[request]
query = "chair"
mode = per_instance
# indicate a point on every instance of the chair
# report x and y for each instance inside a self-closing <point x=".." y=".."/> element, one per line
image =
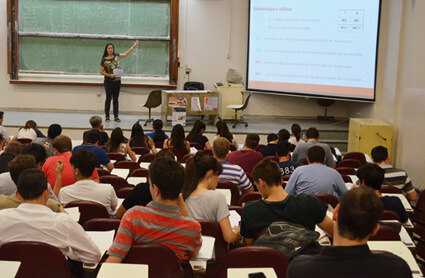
<point x="346" y="178"/>
<point x="88" y="210"/>
<point x="211" y="228"/>
<point x="390" y="189"/>
<point x="149" y="157"/>
<point x="207" y="152"/>
<point x="140" y="150"/>
<point x="386" y="233"/>
<point x="131" y="165"/>
<point x="161" y="260"/>
<point x="102" y="172"/>
<point x="25" y="141"/>
<point x="141" y="172"/>
<point x="102" y="225"/>
<point x="304" y="161"/>
<point x="238" y="209"/>
<point x="346" y="171"/>
<point x="159" y="145"/>
<point x="232" y="148"/>
<point x="260" y="146"/>
<point x="272" y="157"/>
<point x="328" y="199"/>
<point x="353" y="163"/>
<point x="356" y="155"/>
<point x="38" y="259"/>
<point x="254" y="256"/>
<point x="233" y="189"/>
<point x="116" y="156"/>
<point x="390" y="215"/>
<point x="237" y="108"/>
<point x="116" y="182"/>
<point x="154" y="100"/>
<point x="186" y="157"/>
<point x="196" y="145"/>
<point x="193" y="85"/>
<point x="124" y="192"/>
<point x="250" y="196"/>
<point x="178" y="154"/>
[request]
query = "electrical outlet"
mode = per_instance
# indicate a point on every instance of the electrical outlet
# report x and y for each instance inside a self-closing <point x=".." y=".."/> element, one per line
<point x="99" y="97"/>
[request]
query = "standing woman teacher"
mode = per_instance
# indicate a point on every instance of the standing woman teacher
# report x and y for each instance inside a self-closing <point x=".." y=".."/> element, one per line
<point x="111" y="61"/>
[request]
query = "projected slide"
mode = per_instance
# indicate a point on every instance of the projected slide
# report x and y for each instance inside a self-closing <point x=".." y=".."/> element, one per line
<point x="326" y="48"/>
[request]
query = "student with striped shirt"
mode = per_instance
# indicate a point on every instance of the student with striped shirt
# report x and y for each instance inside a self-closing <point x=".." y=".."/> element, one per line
<point x="397" y="178"/>
<point x="232" y="173"/>
<point x="164" y="220"/>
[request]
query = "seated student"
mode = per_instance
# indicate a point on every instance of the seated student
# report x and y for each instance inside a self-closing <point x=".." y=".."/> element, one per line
<point x="372" y="175"/>
<point x="116" y="144"/>
<point x="270" y="149"/>
<point x="139" y="139"/>
<point x="295" y="138"/>
<point x="283" y="151"/>
<point x="316" y="178"/>
<point x="300" y="151"/>
<point x="161" y="221"/>
<point x="14" y="147"/>
<point x="83" y="163"/>
<point x="2" y="141"/>
<point x="47" y="142"/>
<point x="196" y="135"/>
<point x="63" y="147"/>
<point x="232" y="173"/>
<point x="356" y="217"/>
<point x="277" y="205"/>
<point x="92" y="144"/>
<point x="7" y="186"/>
<point x="248" y="157"/>
<point x="177" y="140"/>
<point x="29" y="131"/>
<point x="223" y="131"/>
<point x="141" y="195"/>
<point x="3" y="130"/>
<point x="158" y="135"/>
<point x="97" y="126"/>
<point x="33" y="221"/>
<point x="397" y="178"/>
<point x="201" y="199"/>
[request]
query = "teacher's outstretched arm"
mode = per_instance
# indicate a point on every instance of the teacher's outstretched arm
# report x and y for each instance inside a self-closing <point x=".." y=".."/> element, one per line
<point x="125" y="54"/>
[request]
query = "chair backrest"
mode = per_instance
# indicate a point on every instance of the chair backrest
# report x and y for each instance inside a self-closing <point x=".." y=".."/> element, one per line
<point x="116" y="156"/>
<point x="250" y="196"/>
<point x="233" y="189"/>
<point x="211" y="228"/>
<point x="102" y="172"/>
<point x="193" y="85"/>
<point x="245" y="104"/>
<point x="162" y="261"/>
<point x="232" y="148"/>
<point x="238" y="209"/>
<point x="346" y="178"/>
<point x="390" y="215"/>
<point x="272" y="157"/>
<point x="186" y="157"/>
<point x="260" y="146"/>
<point x="140" y="150"/>
<point x="254" y="256"/>
<point x="196" y="145"/>
<point x="154" y="99"/>
<point x="141" y="172"/>
<point x="207" y="152"/>
<point x="38" y="259"/>
<point x="304" y="161"/>
<point x="356" y="155"/>
<point x="346" y="171"/>
<point x="178" y="154"/>
<point x="124" y="192"/>
<point x="390" y="189"/>
<point x="116" y="182"/>
<point x="353" y="163"/>
<point x="386" y="233"/>
<point x="328" y="199"/>
<point x="102" y="225"/>
<point x="127" y="165"/>
<point x="88" y="210"/>
<point x="419" y="209"/>
<point x="149" y="157"/>
<point x="286" y="177"/>
<point x="24" y="140"/>
<point x="159" y="144"/>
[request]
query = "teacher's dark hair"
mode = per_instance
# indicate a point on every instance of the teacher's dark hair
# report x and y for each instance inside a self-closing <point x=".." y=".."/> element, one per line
<point x="105" y="52"/>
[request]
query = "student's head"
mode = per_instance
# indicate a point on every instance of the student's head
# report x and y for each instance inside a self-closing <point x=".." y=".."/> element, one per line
<point x="198" y="128"/>
<point x="316" y="154"/>
<point x="95" y="121"/>
<point x="201" y="168"/>
<point x="358" y="213"/>
<point x="372" y="175"/>
<point x="54" y="131"/>
<point x="84" y="161"/>
<point x="268" y="171"/>
<point x="157" y="125"/>
<point x="109" y="50"/>
<point x="283" y="135"/>
<point x="379" y="154"/>
<point x="38" y="151"/>
<point x="14" y="147"/>
<point x="165" y="153"/>
<point x="1" y="117"/>
<point x="159" y="133"/>
<point x="19" y="164"/>
<point x="168" y="175"/>
<point x="92" y="137"/>
<point x="30" y="124"/>
<point x="137" y="131"/>
<point x="5" y="158"/>
<point x="283" y="148"/>
<point x="32" y="183"/>
<point x="62" y="144"/>
<point x="221" y="147"/>
<point x="117" y="137"/>
<point x="296" y="131"/>
<point x="177" y="133"/>
<point x="312" y="133"/>
<point x="223" y="130"/>
<point x="272" y="137"/>
<point x="252" y="141"/>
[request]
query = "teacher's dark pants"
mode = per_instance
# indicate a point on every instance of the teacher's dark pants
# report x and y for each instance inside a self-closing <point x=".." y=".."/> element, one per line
<point x="112" y="89"/>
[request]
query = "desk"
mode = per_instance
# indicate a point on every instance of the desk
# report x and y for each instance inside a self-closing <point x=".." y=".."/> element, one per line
<point x="167" y="110"/>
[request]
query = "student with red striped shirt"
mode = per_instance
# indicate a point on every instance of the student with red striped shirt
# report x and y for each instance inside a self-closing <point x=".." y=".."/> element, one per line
<point x="164" y="221"/>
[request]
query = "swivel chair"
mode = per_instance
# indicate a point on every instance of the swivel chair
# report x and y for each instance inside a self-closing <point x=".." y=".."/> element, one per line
<point x="154" y="100"/>
<point x="240" y="107"/>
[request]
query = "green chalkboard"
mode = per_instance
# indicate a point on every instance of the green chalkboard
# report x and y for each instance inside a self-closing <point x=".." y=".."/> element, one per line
<point x="50" y="35"/>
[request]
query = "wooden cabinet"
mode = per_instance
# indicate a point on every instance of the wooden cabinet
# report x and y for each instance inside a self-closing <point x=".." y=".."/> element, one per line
<point x="365" y="134"/>
<point x="229" y="94"/>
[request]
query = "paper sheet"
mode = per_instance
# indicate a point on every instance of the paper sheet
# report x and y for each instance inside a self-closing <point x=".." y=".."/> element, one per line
<point x="195" y="104"/>
<point x="74" y="212"/>
<point x="8" y="269"/>
<point x="136" y="180"/>
<point x="235" y="218"/>
<point x="244" y="272"/>
<point x="118" y="72"/>
<point x="227" y="194"/>
<point x="123" y="173"/>
<point x="103" y="240"/>
<point x="108" y="270"/>
<point x="207" y="249"/>
<point x="210" y="103"/>
<point x="144" y="165"/>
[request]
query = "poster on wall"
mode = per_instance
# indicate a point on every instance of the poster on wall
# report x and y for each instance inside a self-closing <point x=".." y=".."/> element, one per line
<point x="210" y="103"/>
<point x="179" y="116"/>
